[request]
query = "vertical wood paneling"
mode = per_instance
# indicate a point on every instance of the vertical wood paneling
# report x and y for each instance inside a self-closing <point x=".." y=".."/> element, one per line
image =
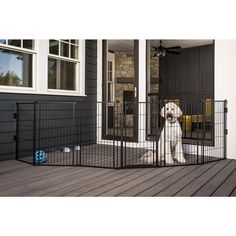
<point x="189" y="75"/>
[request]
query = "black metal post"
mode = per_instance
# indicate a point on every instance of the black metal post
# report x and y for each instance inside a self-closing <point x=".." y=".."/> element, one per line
<point x="164" y="127"/>
<point x="73" y="136"/>
<point x="157" y="123"/>
<point x="203" y="132"/>
<point x="197" y="128"/>
<point x="225" y="128"/>
<point x="113" y="137"/>
<point x="34" y="132"/>
<point x="17" y="131"/>
<point x="124" y="125"/>
<point x="79" y="161"/>
<point x="121" y="135"/>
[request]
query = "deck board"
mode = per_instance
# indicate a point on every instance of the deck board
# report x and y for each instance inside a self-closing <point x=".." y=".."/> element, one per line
<point x="233" y="194"/>
<point x="182" y="182"/>
<point x="132" y="183"/>
<point x="157" y="188"/>
<point x="193" y="187"/>
<point x="211" y="179"/>
<point x="151" y="182"/>
<point x="70" y="187"/>
<point x="113" y="183"/>
<point x="213" y="184"/>
<point x="227" y="186"/>
<point x="84" y="188"/>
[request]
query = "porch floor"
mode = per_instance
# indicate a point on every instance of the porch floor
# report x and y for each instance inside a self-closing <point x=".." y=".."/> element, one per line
<point x="212" y="179"/>
<point x="108" y="156"/>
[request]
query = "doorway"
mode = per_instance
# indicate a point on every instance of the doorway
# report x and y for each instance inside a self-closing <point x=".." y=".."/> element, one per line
<point x="120" y="89"/>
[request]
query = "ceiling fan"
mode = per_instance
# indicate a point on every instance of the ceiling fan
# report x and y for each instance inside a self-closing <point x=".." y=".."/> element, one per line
<point x="161" y="50"/>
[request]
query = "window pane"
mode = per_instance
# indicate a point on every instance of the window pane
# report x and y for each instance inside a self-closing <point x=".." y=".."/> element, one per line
<point x="109" y="95"/>
<point x="74" y="51"/>
<point x="68" y="75"/>
<point x="52" y="69"/>
<point x="14" y="42"/>
<point x="54" y="47"/>
<point x="61" y="74"/>
<point x="74" y="41"/>
<point x="28" y="44"/>
<point x="3" y="41"/>
<point x="64" y="49"/>
<point x="15" y="68"/>
<point x="109" y="65"/>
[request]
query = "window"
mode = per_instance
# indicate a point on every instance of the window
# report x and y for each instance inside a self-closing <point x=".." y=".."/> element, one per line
<point x="16" y="63"/>
<point x="50" y="66"/>
<point x="110" y="77"/>
<point x="63" y="64"/>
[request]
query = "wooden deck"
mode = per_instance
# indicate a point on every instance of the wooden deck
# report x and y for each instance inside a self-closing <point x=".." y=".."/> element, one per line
<point x="212" y="179"/>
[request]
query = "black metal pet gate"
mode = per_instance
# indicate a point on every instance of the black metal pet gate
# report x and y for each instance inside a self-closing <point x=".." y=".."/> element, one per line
<point x="116" y="135"/>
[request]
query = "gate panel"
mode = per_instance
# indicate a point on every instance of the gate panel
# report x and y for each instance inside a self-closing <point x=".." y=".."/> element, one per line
<point x="203" y="134"/>
<point x="25" y="132"/>
<point x="96" y="151"/>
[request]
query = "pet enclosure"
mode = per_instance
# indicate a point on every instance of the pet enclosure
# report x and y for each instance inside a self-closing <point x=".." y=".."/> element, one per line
<point x="97" y="134"/>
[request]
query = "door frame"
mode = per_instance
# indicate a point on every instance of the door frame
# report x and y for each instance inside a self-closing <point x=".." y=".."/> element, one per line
<point x="104" y="94"/>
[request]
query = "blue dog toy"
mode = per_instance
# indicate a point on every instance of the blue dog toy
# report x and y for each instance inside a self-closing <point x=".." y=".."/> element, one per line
<point x="40" y="157"/>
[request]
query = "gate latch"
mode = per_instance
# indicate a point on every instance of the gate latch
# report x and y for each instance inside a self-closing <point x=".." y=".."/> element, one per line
<point x="226" y="131"/>
<point x="15" y="115"/>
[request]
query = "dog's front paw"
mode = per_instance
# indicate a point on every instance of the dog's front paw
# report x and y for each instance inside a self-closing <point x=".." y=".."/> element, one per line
<point x="169" y="160"/>
<point x="180" y="158"/>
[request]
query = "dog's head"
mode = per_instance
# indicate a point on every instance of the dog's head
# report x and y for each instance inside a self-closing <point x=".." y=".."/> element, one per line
<point x="171" y="112"/>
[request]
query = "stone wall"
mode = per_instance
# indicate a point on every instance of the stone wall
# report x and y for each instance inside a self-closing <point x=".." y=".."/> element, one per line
<point x="124" y="67"/>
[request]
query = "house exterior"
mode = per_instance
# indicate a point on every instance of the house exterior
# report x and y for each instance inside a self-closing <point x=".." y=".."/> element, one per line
<point x="113" y="71"/>
<point x="9" y="95"/>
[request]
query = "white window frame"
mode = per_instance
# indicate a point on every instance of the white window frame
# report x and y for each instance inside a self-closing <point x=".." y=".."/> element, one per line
<point x="33" y="52"/>
<point x="111" y="58"/>
<point x="40" y="71"/>
<point x="78" y="75"/>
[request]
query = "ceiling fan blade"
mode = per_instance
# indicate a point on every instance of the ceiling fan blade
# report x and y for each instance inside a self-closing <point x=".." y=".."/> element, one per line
<point x="155" y="47"/>
<point x="174" y="48"/>
<point x="173" y="52"/>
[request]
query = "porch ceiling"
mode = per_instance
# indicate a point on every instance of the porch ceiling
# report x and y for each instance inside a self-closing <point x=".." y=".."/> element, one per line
<point x="128" y="45"/>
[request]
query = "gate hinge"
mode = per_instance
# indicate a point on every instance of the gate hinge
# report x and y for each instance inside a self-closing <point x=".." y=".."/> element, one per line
<point x="226" y="110"/>
<point x="14" y="137"/>
<point x="226" y="131"/>
<point x="15" y="115"/>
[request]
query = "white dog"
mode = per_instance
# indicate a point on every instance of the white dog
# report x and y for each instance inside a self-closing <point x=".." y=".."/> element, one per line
<point x="170" y="142"/>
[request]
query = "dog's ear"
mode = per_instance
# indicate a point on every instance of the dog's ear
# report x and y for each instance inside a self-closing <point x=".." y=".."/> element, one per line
<point x="178" y="112"/>
<point x="163" y="111"/>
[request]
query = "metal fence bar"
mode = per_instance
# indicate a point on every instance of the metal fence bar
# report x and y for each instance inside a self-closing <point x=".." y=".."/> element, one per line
<point x="34" y="132"/>
<point x="121" y="135"/>
<point x="17" y="131"/>
<point x="157" y="132"/>
<point x="225" y="128"/>
<point x="203" y="132"/>
<point x="73" y="138"/>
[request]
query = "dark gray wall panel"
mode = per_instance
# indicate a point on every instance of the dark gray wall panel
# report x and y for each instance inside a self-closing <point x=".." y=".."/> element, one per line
<point x="188" y="76"/>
